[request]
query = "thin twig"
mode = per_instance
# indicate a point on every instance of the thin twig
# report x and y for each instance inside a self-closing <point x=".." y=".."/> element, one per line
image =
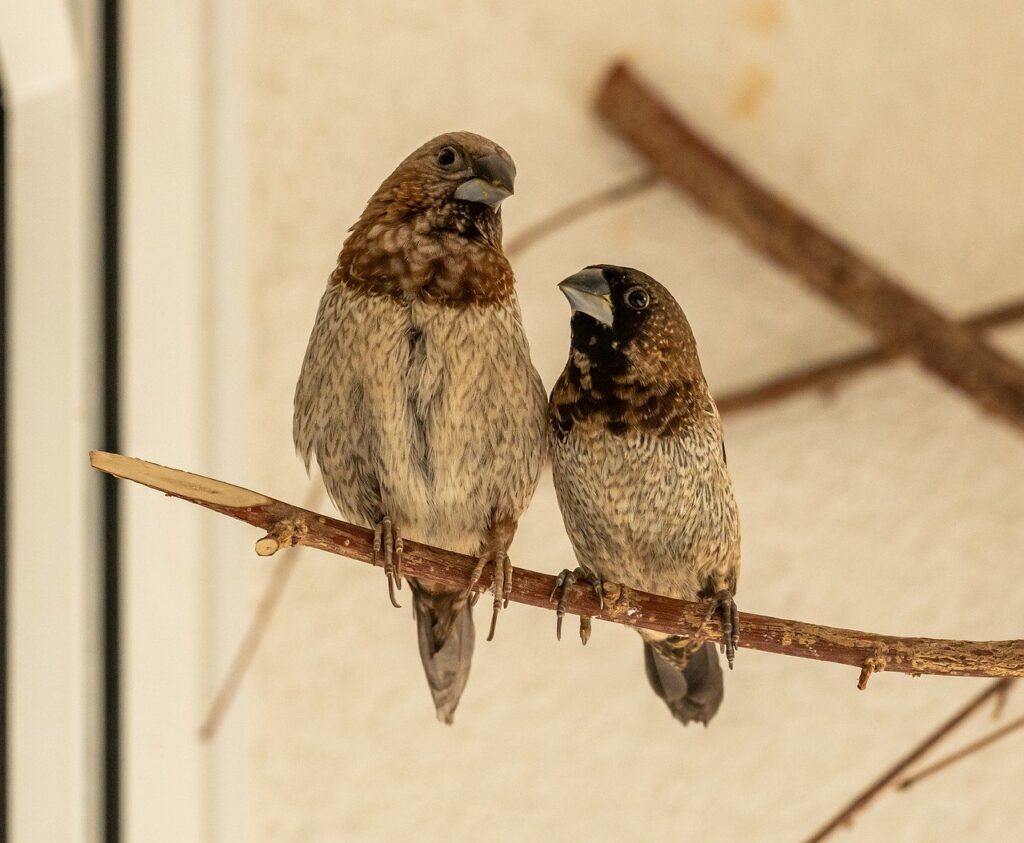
<point x="901" y="320"/>
<point x="264" y="612"/>
<point x="1001" y="698"/>
<point x="287" y="525"/>
<point x="829" y="374"/>
<point x="970" y="749"/>
<point x="250" y="643"/>
<point x="847" y="814"/>
<point x="577" y="210"/>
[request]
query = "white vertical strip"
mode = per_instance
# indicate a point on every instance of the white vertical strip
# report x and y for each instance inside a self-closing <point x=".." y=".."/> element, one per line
<point x="166" y="387"/>
<point x="229" y="604"/>
<point x="54" y="387"/>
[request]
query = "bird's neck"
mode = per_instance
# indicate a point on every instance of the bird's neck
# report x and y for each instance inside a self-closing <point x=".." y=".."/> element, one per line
<point x="601" y="388"/>
<point x="445" y="255"/>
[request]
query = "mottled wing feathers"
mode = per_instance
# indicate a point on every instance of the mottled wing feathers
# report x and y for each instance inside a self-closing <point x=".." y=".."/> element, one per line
<point x="352" y="410"/>
<point x="332" y="421"/>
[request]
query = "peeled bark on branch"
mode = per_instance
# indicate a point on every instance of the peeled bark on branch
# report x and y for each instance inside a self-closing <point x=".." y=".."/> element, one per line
<point x="287" y="525"/>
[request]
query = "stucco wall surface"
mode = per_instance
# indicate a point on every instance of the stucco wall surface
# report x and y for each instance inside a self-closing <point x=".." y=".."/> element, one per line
<point x="891" y="505"/>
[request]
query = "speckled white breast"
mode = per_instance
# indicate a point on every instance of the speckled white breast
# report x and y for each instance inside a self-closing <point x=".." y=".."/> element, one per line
<point x="657" y="513"/>
<point x="434" y="415"/>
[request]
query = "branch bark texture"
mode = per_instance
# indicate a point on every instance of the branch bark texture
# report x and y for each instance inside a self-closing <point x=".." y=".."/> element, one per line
<point x="287" y="525"/>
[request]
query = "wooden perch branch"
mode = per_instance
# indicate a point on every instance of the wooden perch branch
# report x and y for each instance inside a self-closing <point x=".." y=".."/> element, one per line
<point x="287" y="525"/>
<point x="901" y="320"/>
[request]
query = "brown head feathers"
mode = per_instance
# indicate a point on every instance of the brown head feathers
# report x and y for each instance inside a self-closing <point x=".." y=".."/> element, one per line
<point x="433" y="228"/>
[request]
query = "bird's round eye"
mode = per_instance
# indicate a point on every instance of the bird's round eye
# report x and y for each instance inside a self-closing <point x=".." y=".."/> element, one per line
<point x="447" y="157"/>
<point x="637" y="298"/>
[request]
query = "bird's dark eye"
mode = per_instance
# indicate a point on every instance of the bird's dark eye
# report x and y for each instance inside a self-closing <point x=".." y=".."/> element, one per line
<point x="447" y="157"/>
<point x="637" y="298"/>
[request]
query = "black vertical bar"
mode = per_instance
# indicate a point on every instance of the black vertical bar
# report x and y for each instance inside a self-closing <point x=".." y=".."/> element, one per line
<point x="111" y="635"/>
<point x="4" y="761"/>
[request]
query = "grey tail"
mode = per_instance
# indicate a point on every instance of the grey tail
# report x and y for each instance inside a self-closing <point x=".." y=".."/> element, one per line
<point x="692" y="688"/>
<point x="444" y="622"/>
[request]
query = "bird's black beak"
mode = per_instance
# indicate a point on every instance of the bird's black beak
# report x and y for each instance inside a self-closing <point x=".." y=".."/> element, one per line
<point x="494" y="182"/>
<point x="588" y="292"/>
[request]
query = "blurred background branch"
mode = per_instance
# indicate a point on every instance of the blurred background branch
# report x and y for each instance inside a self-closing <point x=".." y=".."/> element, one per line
<point x="573" y="212"/>
<point x="846" y="815"/>
<point x="901" y="320"/>
<point x="832" y="373"/>
<point x="964" y="752"/>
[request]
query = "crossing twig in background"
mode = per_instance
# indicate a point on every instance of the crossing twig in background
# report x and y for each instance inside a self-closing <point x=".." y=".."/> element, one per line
<point x="831" y="373"/>
<point x="864" y="798"/>
<point x="247" y="648"/>
<point x="902" y="321"/>
<point x="964" y="752"/>
<point x="577" y="210"/>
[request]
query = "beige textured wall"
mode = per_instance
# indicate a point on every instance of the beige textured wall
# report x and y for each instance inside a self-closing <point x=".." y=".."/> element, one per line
<point x="893" y="505"/>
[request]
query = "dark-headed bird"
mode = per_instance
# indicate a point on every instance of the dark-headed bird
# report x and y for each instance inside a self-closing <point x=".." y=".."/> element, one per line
<point x="417" y="396"/>
<point x="640" y="471"/>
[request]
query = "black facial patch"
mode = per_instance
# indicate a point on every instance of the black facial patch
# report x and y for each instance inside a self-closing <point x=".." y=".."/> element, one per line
<point x="606" y="392"/>
<point x="604" y="388"/>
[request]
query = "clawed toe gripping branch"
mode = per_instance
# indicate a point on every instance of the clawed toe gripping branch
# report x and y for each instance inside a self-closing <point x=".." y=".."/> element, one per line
<point x="287" y="525"/>
<point x="563" y="584"/>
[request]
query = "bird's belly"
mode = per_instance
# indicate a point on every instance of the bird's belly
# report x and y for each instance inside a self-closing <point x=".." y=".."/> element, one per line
<point x="476" y="412"/>
<point x="637" y="513"/>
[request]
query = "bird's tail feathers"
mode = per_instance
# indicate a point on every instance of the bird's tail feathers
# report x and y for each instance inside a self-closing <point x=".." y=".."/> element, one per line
<point x="444" y="623"/>
<point x="690" y="684"/>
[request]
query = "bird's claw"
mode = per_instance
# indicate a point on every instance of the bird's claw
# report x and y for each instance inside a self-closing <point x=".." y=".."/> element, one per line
<point x="563" y="582"/>
<point x="501" y="586"/>
<point x="584" y="629"/>
<point x="388" y="543"/>
<point x="723" y="602"/>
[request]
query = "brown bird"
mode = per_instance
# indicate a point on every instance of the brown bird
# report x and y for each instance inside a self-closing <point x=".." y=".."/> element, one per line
<point x="417" y="396"/>
<point x="640" y="471"/>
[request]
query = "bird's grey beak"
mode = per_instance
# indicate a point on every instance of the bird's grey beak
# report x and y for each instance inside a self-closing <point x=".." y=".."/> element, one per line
<point x="588" y="292"/>
<point x="494" y="182"/>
